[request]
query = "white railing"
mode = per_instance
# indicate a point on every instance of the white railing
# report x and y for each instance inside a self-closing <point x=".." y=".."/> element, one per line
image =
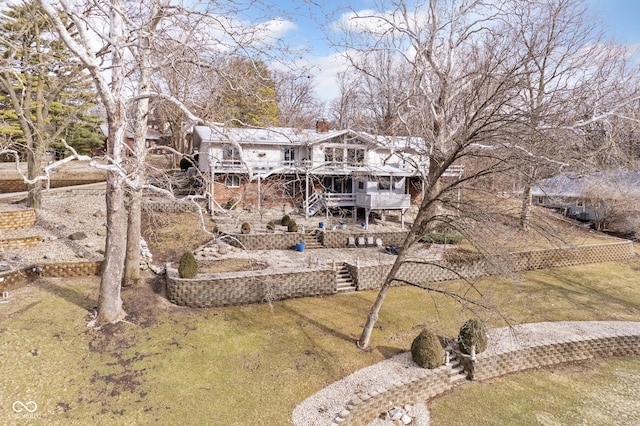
<point x="383" y="201"/>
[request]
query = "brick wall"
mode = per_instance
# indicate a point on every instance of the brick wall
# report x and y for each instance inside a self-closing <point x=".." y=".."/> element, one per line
<point x="17" y="219"/>
<point x="367" y="406"/>
<point x="241" y="288"/>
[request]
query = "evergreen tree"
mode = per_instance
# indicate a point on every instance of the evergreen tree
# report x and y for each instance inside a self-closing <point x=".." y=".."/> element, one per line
<point x="44" y="92"/>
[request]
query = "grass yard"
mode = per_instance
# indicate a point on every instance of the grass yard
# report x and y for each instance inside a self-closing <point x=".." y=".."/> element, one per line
<point x="249" y="365"/>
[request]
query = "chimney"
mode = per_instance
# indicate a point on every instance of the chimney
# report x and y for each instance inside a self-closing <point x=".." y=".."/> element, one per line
<point x="322" y="126"/>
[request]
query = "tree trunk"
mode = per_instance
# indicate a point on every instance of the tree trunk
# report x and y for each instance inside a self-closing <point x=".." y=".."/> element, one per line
<point x="109" y="301"/>
<point x="132" y="260"/>
<point x="525" y="213"/>
<point x="34" y="159"/>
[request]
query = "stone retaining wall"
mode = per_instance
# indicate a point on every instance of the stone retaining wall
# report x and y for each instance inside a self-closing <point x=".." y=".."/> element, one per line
<point x="242" y="288"/>
<point x="365" y="407"/>
<point x="17" y="219"/>
<point x="267" y="241"/>
<point x="328" y="239"/>
<point x="340" y="238"/>
<point x="14" y="279"/>
<point x="370" y="277"/>
<point x="20" y="242"/>
<point x="169" y="206"/>
<point x="18" y="185"/>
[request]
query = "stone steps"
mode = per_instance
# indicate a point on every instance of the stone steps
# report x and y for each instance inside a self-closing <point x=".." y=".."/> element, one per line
<point x="344" y="282"/>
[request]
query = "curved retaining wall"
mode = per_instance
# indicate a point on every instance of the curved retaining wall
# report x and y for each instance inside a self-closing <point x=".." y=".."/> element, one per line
<point x="242" y="288"/>
<point x="367" y="406"/>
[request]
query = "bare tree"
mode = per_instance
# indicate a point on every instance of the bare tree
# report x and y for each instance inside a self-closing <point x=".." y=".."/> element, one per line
<point x="298" y="104"/>
<point x="122" y="45"/>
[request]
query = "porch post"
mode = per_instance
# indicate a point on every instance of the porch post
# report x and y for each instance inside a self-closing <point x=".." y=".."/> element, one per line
<point x="212" y="200"/>
<point x="259" y="193"/>
<point x="402" y="219"/>
<point x="306" y="194"/>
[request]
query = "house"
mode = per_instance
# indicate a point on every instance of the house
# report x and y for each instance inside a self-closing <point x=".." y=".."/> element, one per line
<point x="152" y="141"/>
<point x="590" y="197"/>
<point x="335" y="172"/>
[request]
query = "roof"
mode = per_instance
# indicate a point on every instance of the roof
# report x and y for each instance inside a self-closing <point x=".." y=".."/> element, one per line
<point x="292" y="136"/>
<point x="612" y="183"/>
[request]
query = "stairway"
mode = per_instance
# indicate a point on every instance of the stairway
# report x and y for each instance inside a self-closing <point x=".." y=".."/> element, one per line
<point x="311" y="240"/>
<point x="457" y="374"/>
<point x="316" y="203"/>
<point x="344" y="281"/>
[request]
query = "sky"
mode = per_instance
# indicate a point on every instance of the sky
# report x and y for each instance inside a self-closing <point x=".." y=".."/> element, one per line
<point x="620" y="18"/>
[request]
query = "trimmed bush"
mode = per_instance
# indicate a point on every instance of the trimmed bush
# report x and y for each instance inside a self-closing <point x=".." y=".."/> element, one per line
<point x="472" y="333"/>
<point x="245" y="228"/>
<point x="292" y="226"/>
<point x="188" y="267"/>
<point x="426" y="350"/>
<point x="271" y="226"/>
<point x="285" y="220"/>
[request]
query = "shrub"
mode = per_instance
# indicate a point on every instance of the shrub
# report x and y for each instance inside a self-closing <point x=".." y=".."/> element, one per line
<point x="188" y="267"/>
<point x="271" y="226"/>
<point x="245" y="228"/>
<point x="440" y="238"/>
<point x="231" y="204"/>
<point x="426" y="350"/>
<point x="292" y="226"/>
<point x="472" y="333"/>
<point x="285" y="220"/>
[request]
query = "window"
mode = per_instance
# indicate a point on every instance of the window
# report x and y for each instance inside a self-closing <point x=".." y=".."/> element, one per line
<point x="232" y="181"/>
<point x="360" y="185"/>
<point x="580" y="203"/>
<point x="384" y="183"/>
<point x="289" y="156"/>
<point x="328" y="155"/>
<point x="230" y="155"/>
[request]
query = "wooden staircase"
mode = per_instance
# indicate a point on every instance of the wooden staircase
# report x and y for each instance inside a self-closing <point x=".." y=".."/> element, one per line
<point x="311" y="240"/>
<point x="344" y="282"/>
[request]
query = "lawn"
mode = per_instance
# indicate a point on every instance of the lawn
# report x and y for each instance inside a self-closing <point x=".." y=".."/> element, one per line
<point x="245" y="365"/>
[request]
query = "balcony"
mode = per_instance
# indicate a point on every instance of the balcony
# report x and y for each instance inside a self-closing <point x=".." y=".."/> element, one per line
<point x="383" y="201"/>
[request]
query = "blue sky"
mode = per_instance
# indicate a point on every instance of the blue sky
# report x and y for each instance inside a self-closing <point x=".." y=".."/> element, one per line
<point x="620" y="19"/>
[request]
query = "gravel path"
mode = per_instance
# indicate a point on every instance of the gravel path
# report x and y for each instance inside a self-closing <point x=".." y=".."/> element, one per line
<point x="322" y="407"/>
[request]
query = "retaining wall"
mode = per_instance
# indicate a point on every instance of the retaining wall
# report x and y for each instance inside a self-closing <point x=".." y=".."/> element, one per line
<point x="20" y="242"/>
<point x="370" y="277"/>
<point x="247" y="287"/>
<point x="329" y="239"/>
<point x="17" y="219"/>
<point x="13" y="279"/>
<point x="367" y="406"/>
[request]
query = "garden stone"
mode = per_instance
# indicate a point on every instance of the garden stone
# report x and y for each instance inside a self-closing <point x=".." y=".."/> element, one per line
<point x="4" y="267"/>
<point x="61" y="227"/>
<point x="101" y="232"/>
<point x="77" y="236"/>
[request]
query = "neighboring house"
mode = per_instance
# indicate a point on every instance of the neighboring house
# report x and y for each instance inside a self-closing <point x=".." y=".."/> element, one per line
<point x="591" y="197"/>
<point x="152" y="141"/>
<point x="322" y="171"/>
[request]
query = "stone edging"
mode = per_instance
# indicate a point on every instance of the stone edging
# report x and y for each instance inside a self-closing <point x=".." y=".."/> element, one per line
<point x="583" y="344"/>
<point x="61" y="270"/>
